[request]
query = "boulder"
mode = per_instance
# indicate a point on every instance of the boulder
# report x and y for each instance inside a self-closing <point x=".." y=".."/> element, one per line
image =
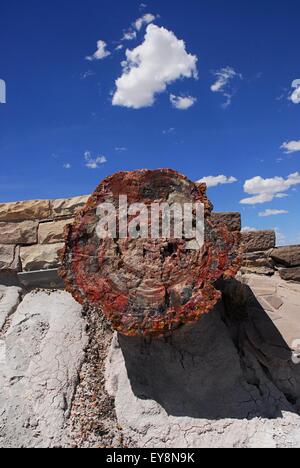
<point x="53" y="232"/>
<point x="25" y="210"/>
<point x="67" y="207"/>
<point x="43" y="354"/>
<point x="288" y="256"/>
<point x="40" y="257"/>
<point x="231" y="220"/>
<point x="24" y="232"/>
<point x="290" y="274"/>
<point x="9" y="257"/>
<point x="253" y="241"/>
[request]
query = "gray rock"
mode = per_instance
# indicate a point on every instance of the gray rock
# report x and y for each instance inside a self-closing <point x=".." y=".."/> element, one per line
<point x="258" y="240"/>
<point x="47" y="279"/>
<point x="197" y="390"/>
<point x="9" y="300"/>
<point x="290" y="274"/>
<point x="44" y="350"/>
<point x="287" y="256"/>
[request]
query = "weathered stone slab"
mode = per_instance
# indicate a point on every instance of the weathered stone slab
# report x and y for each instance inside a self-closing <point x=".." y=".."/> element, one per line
<point x="231" y="220"/>
<point x="24" y="232"/>
<point x="288" y="256"/>
<point x="40" y="257"/>
<point x="290" y="274"/>
<point x="67" y="207"/>
<point x="257" y="259"/>
<point x="47" y="279"/>
<point x="53" y="232"/>
<point x="253" y="241"/>
<point x="9" y="257"/>
<point x="25" y="210"/>
<point x="9" y="300"/>
<point x="44" y="350"/>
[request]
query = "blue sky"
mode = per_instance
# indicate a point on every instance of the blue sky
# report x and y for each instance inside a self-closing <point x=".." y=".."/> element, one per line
<point x="60" y="133"/>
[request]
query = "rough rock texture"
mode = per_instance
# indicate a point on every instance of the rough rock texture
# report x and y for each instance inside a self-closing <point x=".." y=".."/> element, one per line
<point x="25" y="210"/>
<point x="231" y="220"/>
<point x="254" y="241"/>
<point x="290" y="274"/>
<point x="147" y="286"/>
<point x="287" y="256"/>
<point x="19" y="233"/>
<point x="42" y="353"/>
<point x="52" y="233"/>
<point x="226" y="381"/>
<point x="38" y="257"/>
<point x="9" y="300"/>
<point x="68" y="207"/>
<point x="9" y="257"/>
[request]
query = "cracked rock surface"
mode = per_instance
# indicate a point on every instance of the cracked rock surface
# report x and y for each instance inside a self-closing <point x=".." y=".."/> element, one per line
<point x="42" y="353"/>
<point x="226" y="381"/>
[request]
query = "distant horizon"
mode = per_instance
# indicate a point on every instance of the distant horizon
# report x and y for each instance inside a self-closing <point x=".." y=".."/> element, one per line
<point x="211" y="90"/>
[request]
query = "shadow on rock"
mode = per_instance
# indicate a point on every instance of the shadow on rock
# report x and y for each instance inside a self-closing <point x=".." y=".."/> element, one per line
<point x="233" y="363"/>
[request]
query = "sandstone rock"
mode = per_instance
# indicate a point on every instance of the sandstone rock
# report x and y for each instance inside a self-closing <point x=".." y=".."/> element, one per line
<point x="9" y="257"/>
<point x="147" y="286"/>
<point x="67" y="207"/>
<point x="258" y="270"/>
<point x="53" y="232"/>
<point x="258" y="240"/>
<point x="40" y="257"/>
<point x="288" y="256"/>
<point x="274" y="301"/>
<point x="24" y="232"/>
<point x="26" y="210"/>
<point x="231" y="220"/>
<point x="9" y="300"/>
<point x="290" y="274"/>
<point x="257" y="259"/>
<point x="44" y="350"/>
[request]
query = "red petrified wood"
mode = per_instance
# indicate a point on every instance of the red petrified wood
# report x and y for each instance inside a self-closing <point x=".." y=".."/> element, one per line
<point x="147" y="286"/>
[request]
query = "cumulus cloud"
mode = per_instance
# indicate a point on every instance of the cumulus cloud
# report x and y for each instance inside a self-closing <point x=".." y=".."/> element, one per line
<point x="182" y="102"/>
<point x="270" y="212"/>
<point x="100" y="53"/>
<point x="145" y="19"/>
<point x="223" y="83"/>
<point x="93" y="163"/>
<point x="213" y="181"/>
<point x="291" y="146"/>
<point x="295" y="96"/>
<point x="265" y="190"/>
<point x="160" y="60"/>
<point x="129" y="35"/>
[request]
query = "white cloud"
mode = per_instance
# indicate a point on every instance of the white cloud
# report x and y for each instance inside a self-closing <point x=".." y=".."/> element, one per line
<point x="270" y="212"/>
<point x="213" y="181"/>
<point x="150" y="67"/>
<point x="100" y="53"/>
<point x="249" y="229"/>
<point x="265" y="190"/>
<point x="67" y="166"/>
<point x="182" y="102"/>
<point x="223" y="83"/>
<point x="168" y="131"/>
<point x="145" y="19"/>
<point x="291" y="146"/>
<point x="120" y="148"/>
<point x="129" y="35"/>
<point x="86" y="74"/>
<point x="119" y="47"/>
<point x="93" y="163"/>
<point x="295" y="96"/>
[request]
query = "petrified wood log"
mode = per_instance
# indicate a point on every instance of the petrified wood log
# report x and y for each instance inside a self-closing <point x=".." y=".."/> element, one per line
<point x="147" y="286"/>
